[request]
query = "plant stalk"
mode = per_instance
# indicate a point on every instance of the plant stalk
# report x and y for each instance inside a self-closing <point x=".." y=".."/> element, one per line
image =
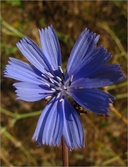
<point x="64" y="153"/>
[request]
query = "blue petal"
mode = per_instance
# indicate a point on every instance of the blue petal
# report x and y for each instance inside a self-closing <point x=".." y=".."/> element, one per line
<point x="49" y="128"/>
<point x="93" y="100"/>
<point x="81" y="51"/>
<point x="94" y="62"/>
<point x="50" y="46"/>
<point x="72" y="129"/>
<point x="34" y="54"/>
<point x="31" y="92"/>
<point x="105" y="76"/>
<point x="59" y="119"/>
<point x="22" y="71"/>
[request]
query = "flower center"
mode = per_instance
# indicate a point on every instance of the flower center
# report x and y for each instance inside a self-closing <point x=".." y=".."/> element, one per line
<point x="56" y="83"/>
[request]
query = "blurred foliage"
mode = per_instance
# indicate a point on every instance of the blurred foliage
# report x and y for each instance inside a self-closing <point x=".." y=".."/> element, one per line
<point x="17" y="3"/>
<point x="106" y="138"/>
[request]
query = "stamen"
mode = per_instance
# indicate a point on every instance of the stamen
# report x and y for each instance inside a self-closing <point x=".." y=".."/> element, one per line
<point x="53" y="89"/>
<point x="60" y="69"/>
<point x="59" y="78"/>
<point x="58" y="96"/>
<point x="70" y="81"/>
<point x="53" y="68"/>
<point x="49" y="74"/>
<point x="61" y="100"/>
<point x="54" y="82"/>
<point x="71" y="78"/>
<point x="51" y="80"/>
<point x="65" y="87"/>
<point x="47" y="84"/>
<point x="44" y="76"/>
<point x="48" y="97"/>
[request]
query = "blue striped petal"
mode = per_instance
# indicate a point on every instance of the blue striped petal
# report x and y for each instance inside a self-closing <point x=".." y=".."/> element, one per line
<point x="105" y="76"/>
<point x="34" y="54"/>
<point x="21" y="71"/>
<point x="94" y="62"/>
<point x="59" y="119"/>
<point x="81" y="51"/>
<point x="49" y="128"/>
<point x="93" y="100"/>
<point x="31" y="92"/>
<point x="50" y="46"/>
<point x="72" y="129"/>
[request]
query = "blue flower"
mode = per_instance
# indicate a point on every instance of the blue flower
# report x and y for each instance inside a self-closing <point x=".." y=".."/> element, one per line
<point x="44" y="78"/>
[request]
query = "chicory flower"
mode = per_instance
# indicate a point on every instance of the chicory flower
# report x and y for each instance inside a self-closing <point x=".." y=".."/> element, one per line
<point x="44" y="78"/>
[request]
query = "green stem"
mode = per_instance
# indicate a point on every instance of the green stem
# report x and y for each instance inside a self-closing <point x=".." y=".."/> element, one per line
<point x="12" y="30"/>
<point x="64" y="153"/>
<point x="17" y="144"/>
<point x="18" y="116"/>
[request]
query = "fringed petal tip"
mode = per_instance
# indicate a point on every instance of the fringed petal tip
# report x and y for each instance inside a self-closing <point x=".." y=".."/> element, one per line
<point x="119" y="70"/>
<point x="93" y="100"/>
<point x="57" y="145"/>
<point x="40" y="143"/>
<point x="50" y="46"/>
<point x="65" y="122"/>
<point x="79" y="147"/>
<point x="81" y="50"/>
<point x="49" y="27"/>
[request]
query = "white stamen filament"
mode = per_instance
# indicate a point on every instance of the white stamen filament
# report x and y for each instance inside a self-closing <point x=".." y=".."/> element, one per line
<point x="71" y="78"/>
<point x="48" y="97"/>
<point x="58" y="96"/>
<point x="47" y="84"/>
<point x="51" y="80"/>
<point x="65" y="87"/>
<point x="61" y="100"/>
<point x="53" y="89"/>
<point x="61" y="69"/>
<point x="59" y="78"/>
<point x="49" y="74"/>
<point x="53" y="68"/>
<point x="44" y="76"/>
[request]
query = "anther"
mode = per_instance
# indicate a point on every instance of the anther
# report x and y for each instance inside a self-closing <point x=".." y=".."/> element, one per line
<point x="65" y="88"/>
<point x="53" y="68"/>
<point x="47" y="84"/>
<point x="71" y="78"/>
<point x="44" y="76"/>
<point x="49" y="74"/>
<point x="48" y="97"/>
<point x="51" y="80"/>
<point x="60" y="69"/>
<point x="70" y="81"/>
<point x="61" y="100"/>
<point x="53" y="89"/>
<point x="58" y="96"/>
<point x="59" y="78"/>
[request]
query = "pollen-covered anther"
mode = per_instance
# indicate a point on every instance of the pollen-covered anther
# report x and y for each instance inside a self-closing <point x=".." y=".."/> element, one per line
<point x="53" y="89"/>
<point x="58" y="96"/>
<point x="60" y="69"/>
<point x="61" y="99"/>
<point x="44" y="76"/>
<point x="50" y="75"/>
<point x="47" y="84"/>
<point x="70" y="81"/>
<point x="53" y="68"/>
<point x="59" y="78"/>
<point x="48" y="97"/>
<point x="51" y="80"/>
<point x="65" y="88"/>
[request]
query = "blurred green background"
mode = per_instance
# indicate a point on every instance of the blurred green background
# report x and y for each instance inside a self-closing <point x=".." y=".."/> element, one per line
<point x="105" y="138"/>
